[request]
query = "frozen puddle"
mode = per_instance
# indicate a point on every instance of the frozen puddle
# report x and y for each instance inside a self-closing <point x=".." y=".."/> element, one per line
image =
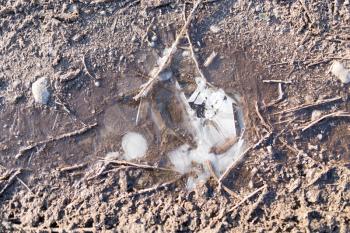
<point x="216" y="122"/>
<point x="212" y="118"/>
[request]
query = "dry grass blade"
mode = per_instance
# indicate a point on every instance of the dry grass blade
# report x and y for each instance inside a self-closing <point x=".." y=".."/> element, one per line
<point x="248" y="197"/>
<point x="235" y="163"/>
<point x="72" y="168"/>
<point x="147" y="87"/>
<point x="212" y="173"/>
<point x="60" y="137"/>
<point x="10" y="181"/>
<point x="277" y="81"/>
<point x="306" y="106"/>
<point x="328" y="116"/>
<point x="142" y="166"/>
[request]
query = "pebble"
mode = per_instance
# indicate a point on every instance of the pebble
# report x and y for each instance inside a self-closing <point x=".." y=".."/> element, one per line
<point x="152" y="44"/>
<point x="316" y="114"/>
<point x="339" y="71"/>
<point x="154" y="38"/>
<point x="40" y="90"/>
<point x="97" y="83"/>
<point x="313" y="196"/>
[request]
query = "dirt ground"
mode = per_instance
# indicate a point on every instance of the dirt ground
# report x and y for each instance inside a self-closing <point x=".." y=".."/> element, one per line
<point x="96" y="54"/>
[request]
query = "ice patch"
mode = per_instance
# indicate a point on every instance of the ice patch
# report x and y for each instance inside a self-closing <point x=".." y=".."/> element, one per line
<point x="212" y="118"/>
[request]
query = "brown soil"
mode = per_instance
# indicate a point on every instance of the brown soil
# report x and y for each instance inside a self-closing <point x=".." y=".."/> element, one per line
<point x="97" y="54"/>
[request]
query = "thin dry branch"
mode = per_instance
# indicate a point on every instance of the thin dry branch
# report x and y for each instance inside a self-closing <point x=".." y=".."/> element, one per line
<point x="153" y="189"/>
<point x="307" y="106"/>
<point x="86" y="68"/>
<point x="194" y="57"/>
<point x="263" y="122"/>
<point x="24" y="184"/>
<point x="60" y="137"/>
<point x="223" y="147"/>
<point x="281" y="96"/>
<point x="236" y="162"/>
<point x="141" y="166"/>
<point x="277" y="81"/>
<point x="213" y="174"/>
<point x="165" y="61"/>
<point x="248" y="197"/>
<point x="73" y="168"/>
<point x="328" y="116"/>
<point x="10" y="181"/>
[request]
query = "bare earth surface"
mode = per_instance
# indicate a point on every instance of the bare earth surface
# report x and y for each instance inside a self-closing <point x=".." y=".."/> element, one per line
<point x="96" y="54"/>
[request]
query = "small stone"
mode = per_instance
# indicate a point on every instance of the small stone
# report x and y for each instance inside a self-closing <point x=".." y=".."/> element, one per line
<point x="214" y="29"/>
<point x="97" y="83"/>
<point x="40" y="91"/>
<point x="152" y="44"/>
<point x="316" y="114"/>
<point x="154" y="38"/>
<point x="166" y="75"/>
<point x="254" y="171"/>
<point x="320" y="136"/>
<point x="313" y="196"/>
<point x="294" y="185"/>
<point x="339" y="71"/>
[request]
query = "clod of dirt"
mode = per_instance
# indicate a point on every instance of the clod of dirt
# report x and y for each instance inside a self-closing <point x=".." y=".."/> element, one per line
<point x="40" y="90"/>
<point x="134" y="145"/>
<point x="339" y="71"/>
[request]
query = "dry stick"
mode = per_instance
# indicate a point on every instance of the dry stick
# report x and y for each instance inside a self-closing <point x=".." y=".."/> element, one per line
<point x="240" y="158"/>
<point x="10" y="181"/>
<point x="277" y="81"/>
<point x="332" y="115"/>
<point x="72" y="168"/>
<point x="142" y="166"/>
<point x="306" y="106"/>
<point x="147" y="87"/>
<point x="86" y="68"/>
<point x="194" y="57"/>
<point x="281" y="96"/>
<point x="24" y="184"/>
<point x="60" y="137"/>
<point x="212" y="173"/>
<point x="248" y="197"/>
<point x="263" y="122"/>
<point x="154" y="188"/>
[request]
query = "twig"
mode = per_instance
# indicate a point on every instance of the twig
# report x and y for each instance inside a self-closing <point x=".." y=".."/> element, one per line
<point x="148" y="29"/>
<point x="248" y="197"/>
<point x="165" y="61"/>
<point x="10" y="181"/>
<point x="24" y="184"/>
<point x="223" y="147"/>
<point x="277" y="81"/>
<point x="303" y="4"/>
<point x="281" y="96"/>
<point x="240" y="157"/>
<point x="142" y="166"/>
<point x="328" y="116"/>
<point x="60" y="137"/>
<point x="86" y="68"/>
<point x="72" y="168"/>
<point x="213" y="174"/>
<point x="153" y="189"/>
<point x="263" y="122"/>
<point x="306" y="106"/>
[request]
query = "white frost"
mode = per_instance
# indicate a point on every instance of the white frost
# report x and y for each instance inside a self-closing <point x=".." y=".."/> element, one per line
<point x="134" y="146"/>
<point x="213" y="129"/>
